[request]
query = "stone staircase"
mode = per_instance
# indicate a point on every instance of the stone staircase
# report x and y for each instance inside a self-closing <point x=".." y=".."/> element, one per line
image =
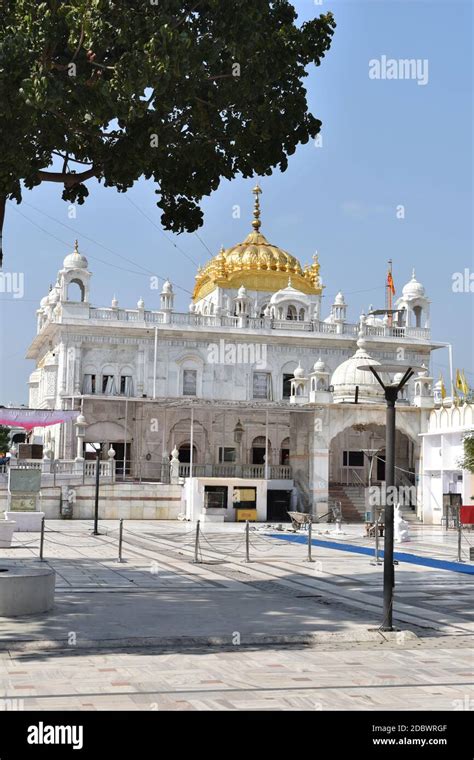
<point x="352" y="501"/>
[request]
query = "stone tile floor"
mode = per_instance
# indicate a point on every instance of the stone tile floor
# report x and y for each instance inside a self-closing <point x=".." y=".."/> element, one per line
<point x="102" y="645"/>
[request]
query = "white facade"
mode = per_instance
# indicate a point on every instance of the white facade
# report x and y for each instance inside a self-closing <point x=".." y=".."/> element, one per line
<point x="442" y="454"/>
<point x="136" y="373"/>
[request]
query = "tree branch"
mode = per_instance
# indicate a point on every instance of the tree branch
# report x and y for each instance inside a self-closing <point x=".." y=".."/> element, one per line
<point x="68" y="179"/>
<point x="74" y="160"/>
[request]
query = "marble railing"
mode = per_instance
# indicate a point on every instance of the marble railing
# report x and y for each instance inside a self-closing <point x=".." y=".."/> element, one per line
<point x="232" y="470"/>
<point x="253" y="323"/>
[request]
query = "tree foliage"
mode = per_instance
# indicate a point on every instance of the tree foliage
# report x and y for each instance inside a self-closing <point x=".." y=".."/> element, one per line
<point x="181" y="92"/>
<point x="4" y="439"/>
<point x="467" y="462"/>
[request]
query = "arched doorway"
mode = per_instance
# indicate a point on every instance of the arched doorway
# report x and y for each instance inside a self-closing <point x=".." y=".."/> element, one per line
<point x="285" y="451"/>
<point x="349" y="465"/>
<point x="185" y="453"/>
<point x="111" y="434"/>
<point x="258" y="449"/>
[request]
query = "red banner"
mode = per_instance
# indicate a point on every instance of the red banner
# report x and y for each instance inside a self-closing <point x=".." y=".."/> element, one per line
<point x="466" y="514"/>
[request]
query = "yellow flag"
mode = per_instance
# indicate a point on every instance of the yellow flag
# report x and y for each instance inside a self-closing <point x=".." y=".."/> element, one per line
<point x="443" y="387"/>
<point x="459" y="384"/>
<point x="465" y="384"/>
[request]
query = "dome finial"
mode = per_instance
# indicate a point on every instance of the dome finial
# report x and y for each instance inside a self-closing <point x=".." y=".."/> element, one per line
<point x="76" y="246"/>
<point x="413" y="275"/>
<point x="256" y="209"/>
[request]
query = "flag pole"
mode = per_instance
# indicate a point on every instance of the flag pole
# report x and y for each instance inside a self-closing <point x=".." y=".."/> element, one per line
<point x="389" y="291"/>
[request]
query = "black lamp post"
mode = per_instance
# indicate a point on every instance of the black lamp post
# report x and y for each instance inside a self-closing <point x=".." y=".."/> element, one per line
<point x="97" y="448"/>
<point x="391" y="391"/>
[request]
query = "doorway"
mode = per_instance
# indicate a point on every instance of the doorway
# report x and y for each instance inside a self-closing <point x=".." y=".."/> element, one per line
<point x="381" y="466"/>
<point x="278" y="504"/>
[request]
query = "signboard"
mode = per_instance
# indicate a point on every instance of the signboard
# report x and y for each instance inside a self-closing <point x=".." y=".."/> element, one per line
<point x="243" y="494"/>
<point x="24" y="480"/>
<point x="246" y="514"/>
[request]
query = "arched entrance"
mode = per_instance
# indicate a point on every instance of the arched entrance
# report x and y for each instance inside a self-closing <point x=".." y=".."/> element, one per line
<point x="258" y="449"/>
<point x="110" y="434"/>
<point x="185" y="453"/>
<point x="349" y="463"/>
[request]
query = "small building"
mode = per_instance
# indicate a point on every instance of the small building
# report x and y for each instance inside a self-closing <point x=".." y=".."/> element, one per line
<point x="442" y="453"/>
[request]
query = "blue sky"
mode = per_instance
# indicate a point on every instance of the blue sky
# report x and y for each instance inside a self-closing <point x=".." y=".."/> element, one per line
<point x="385" y="143"/>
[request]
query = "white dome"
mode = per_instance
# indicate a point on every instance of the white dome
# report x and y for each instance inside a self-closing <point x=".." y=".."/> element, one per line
<point x="75" y="260"/>
<point x="339" y="299"/>
<point x="299" y="372"/>
<point x="413" y="289"/>
<point x="167" y="287"/>
<point x="242" y="292"/>
<point x="141" y="303"/>
<point x="289" y="294"/>
<point x="347" y="376"/>
<point x="44" y="301"/>
<point x="319" y="366"/>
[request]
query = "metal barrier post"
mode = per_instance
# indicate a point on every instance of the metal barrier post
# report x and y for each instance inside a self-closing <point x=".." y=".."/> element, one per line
<point x="196" y="542"/>
<point x="120" y="540"/>
<point x="247" y="541"/>
<point x="376" y="529"/>
<point x="42" y="540"/>
<point x="459" y="539"/>
<point x="310" y="545"/>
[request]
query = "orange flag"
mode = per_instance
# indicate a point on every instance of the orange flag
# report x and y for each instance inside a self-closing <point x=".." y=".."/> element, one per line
<point x="390" y="283"/>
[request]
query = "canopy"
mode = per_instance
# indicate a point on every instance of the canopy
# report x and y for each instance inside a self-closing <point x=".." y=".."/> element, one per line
<point x="31" y="418"/>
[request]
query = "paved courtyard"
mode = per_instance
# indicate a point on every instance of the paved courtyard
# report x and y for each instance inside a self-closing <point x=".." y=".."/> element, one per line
<point x="158" y="631"/>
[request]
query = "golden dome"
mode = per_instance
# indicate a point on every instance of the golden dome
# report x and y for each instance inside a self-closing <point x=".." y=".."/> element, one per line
<point x="256" y="264"/>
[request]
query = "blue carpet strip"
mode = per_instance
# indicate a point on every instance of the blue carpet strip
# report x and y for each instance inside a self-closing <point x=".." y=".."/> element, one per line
<point x="414" y="559"/>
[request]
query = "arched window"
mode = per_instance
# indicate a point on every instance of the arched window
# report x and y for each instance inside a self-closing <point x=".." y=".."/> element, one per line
<point x="185" y="453"/>
<point x="417" y="311"/>
<point x="301" y="315"/>
<point x="76" y="291"/>
<point x="258" y="450"/>
<point x="285" y="451"/>
<point x="291" y="312"/>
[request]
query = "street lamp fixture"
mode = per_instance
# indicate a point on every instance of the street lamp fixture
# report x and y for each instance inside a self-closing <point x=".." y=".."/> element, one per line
<point x="238" y="431"/>
<point x="391" y="391"/>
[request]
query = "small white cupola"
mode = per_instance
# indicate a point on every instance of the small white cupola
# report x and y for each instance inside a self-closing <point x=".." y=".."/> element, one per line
<point x="167" y="297"/>
<point x="424" y="395"/>
<point x="290" y="304"/>
<point x="319" y="383"/>
<point x="299" y="387"/>
<point x="73" y="278"/>
<point x="242" y="302"/>
<point x="413" y="305"/>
